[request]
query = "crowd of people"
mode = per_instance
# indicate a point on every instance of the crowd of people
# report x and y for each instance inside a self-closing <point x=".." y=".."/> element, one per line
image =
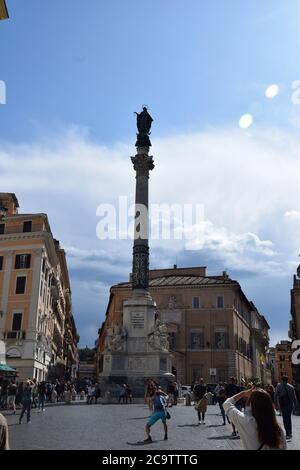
<point x="13" y="394"/>
<point x="250" y="409"/>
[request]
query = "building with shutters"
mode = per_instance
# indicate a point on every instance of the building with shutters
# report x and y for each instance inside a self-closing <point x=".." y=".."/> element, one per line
<point x="214" y="331"/>
<point x="36" y="319"/>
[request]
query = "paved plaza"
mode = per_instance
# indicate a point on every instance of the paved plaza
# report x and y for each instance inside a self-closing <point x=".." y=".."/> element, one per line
<point x="121" y="427"/>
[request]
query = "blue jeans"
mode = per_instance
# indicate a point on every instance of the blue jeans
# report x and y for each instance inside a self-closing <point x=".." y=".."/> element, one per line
<point x="41" y="403"/>
<point x="287" y="419"/>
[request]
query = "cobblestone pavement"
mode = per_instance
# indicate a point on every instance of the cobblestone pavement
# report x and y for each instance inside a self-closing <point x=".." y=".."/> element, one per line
<point x="121" y="427"/>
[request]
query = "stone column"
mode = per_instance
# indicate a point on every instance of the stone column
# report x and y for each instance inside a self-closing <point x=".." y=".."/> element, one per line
<point x="143" y="164"/>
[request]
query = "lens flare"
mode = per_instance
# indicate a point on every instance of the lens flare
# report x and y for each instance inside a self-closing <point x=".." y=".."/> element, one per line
<point x="272" y="91"/>
<point x="246" y="121"/>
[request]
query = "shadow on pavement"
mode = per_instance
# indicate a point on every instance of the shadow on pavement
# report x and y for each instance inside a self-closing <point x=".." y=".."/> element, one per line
<point x="220" y="438"/>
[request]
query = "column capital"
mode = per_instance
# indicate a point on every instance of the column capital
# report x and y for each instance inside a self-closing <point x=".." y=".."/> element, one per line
<point x="143" y="163"/>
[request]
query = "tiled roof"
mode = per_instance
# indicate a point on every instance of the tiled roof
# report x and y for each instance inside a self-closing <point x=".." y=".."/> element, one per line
<point x="183" y="281"/>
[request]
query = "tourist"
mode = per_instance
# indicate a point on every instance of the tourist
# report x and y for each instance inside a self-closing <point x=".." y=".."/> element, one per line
<point x="122" y="394"/>
<point x="42" y="389"/>
<point x="285" y="399"/>
<point x="12" y="393"/>
<point x="128" y="395"/>
<point x="26" y="401"/>
<point x="4" y="445"/>
<point x="170" y="392"/>
<point x="159" y="412"/>
<point x="176" y="392"/>
<point x="90" y="394"/>
<point x="97" y="392"/>
<point x="258" y="429"/>
<point x="221" y="397"/>
<point x="201" y="401"/>
<point x="232" y="389"/>
<point x="34" y="393"/>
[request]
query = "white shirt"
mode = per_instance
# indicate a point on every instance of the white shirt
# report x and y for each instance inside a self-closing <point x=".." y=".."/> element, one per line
<point x="246" y="426"/>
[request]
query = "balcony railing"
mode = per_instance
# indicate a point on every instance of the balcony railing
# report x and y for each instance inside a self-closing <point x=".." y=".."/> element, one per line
<point x="17" y="335"/>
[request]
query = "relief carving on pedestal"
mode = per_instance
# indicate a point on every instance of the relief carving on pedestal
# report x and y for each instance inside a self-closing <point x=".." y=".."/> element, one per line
<point x="115" y="339"/>
<point x="158" y="337"/>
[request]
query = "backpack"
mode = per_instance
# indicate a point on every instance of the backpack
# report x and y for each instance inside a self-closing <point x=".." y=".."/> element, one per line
<point x="284" y="399"/>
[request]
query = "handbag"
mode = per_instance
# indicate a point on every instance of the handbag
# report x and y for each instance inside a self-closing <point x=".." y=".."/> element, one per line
<point x="168" y="416"/>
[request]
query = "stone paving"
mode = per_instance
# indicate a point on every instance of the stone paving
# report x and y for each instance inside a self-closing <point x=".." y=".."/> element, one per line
<point x="121" y="427"/>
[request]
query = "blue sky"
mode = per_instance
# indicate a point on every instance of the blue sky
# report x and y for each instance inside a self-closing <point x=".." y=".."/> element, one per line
<point x="76" y="71"/>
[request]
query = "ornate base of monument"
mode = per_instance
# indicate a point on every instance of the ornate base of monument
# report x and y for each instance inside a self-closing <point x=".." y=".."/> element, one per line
<point x="140" y="350"/>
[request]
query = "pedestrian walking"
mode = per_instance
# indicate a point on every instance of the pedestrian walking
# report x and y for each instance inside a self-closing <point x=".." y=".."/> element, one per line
<point x="4" y="445"/>
<point x="221" y="397"/>
<point x="26" y="401"/>
<point x="34" y="393"/>
<point x="42" y="390"/>
<point x="258" y="428"/>
<point x="11" y="399"/>
<point x="159" y="401"/>
<point x="201" y="400"/>
<point x="286" y="400"/>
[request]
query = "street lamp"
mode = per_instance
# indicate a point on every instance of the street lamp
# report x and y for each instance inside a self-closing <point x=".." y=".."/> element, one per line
<point x="3" y="10"/>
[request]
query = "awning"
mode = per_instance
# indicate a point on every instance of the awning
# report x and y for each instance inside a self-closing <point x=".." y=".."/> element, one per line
<point x="6" y="368"/>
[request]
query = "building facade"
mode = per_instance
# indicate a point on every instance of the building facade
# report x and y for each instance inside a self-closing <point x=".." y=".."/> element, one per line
<point x="294" y="331"/>
<point x="283" y="360"/>
<point x="213" y="330"/>
<point x="36" y="319"/>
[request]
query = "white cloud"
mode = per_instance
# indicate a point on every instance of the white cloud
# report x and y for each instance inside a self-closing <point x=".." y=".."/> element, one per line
<point x="247" y="183"/>
<point x="292" y="214"/>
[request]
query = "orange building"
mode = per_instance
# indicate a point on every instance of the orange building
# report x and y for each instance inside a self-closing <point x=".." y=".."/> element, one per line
<point x="36" y="320"/>
<point x="214" y="331"/>
<point x="283" y="360"/>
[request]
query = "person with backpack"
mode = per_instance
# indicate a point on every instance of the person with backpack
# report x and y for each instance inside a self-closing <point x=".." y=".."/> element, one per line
<point x="159" y="401"/>
<point x="286" y="400"/>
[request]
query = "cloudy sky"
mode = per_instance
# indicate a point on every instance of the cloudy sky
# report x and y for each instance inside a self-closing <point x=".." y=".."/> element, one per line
<point x="76" y="71"/>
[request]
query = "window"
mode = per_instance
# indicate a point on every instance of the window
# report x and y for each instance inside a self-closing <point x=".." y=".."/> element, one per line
<point x="196" y="302"/>
<point x="196" y="373"/>
<point x="2" y="229"/>
<point x="1" y="263"/>
<point x="17" y="322"/>
<point x="27" y="226"/>
<point x="22" y="261"/>
<point x="221" y="340"/>
<point x="44" y="265"/>
<point x="196" y="340"/>
<point x="220" y="301"/>
<point x="172" y="340"/>
<point x="21" y="283"/>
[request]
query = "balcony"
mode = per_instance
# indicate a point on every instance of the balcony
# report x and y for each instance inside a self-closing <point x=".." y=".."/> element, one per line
<point x="14" y="335"/>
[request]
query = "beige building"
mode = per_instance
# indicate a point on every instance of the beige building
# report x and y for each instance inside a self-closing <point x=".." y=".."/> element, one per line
<point x="36" y="320"/>
<point x="213" y="327"/>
